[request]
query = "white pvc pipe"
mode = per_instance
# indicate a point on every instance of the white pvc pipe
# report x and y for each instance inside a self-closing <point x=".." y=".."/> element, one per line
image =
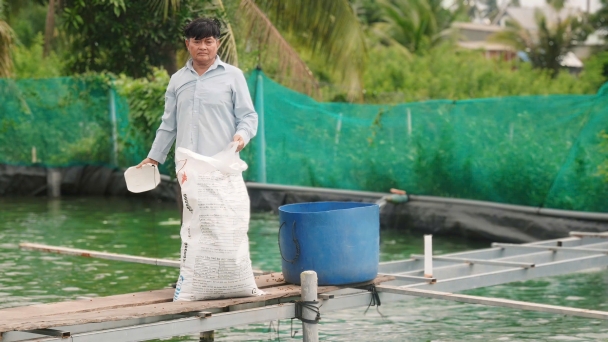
<point x="308" y="280"/>
<point x="428" y="256"/>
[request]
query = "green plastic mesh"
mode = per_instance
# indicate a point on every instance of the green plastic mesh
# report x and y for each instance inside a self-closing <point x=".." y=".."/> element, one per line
<point x="541" y="151"/>
<point x="59" y="122"/>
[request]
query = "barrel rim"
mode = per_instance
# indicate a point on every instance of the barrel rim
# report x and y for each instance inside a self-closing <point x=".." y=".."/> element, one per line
<point x="357" y="205"/>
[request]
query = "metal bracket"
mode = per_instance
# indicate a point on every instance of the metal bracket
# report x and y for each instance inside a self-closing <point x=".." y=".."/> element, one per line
<point x="477" y="261"/>
<point x="50" y="332"/>
<point x="204" y="314"/>
<point x="431" y="280"/>
<point x="552" y="249"/>
<point x="603" y="235"/>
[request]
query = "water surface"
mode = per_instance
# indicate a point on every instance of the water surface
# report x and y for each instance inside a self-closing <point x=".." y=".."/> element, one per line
<point x="151" y="229"/>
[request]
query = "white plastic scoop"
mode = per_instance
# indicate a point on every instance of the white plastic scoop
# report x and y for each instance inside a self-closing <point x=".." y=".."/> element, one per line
<point x="143" y="179"/>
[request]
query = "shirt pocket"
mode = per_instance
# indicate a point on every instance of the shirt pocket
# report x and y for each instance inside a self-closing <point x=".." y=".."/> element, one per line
<point x="218" y="95"/>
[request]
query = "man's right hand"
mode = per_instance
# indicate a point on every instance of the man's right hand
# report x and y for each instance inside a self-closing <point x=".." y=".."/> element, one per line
<point x="147" y="161"/>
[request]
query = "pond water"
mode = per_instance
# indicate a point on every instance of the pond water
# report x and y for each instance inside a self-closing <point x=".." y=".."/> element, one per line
<point x="147" y="228"/>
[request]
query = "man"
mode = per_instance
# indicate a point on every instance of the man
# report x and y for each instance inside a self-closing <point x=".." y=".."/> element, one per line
<point x="207" y="103"/>
<point x="207" y="106"/>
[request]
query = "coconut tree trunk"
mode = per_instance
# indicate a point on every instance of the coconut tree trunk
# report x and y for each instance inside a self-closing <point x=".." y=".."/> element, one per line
<point x="169" y="58"/>
<point x="49" y="29"/>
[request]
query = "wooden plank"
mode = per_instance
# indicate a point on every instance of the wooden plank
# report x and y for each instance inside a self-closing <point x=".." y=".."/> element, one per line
<point x="104" y="255"/>
<point x="506" y="303"/>
<point x="98" y="255"/>
<point x="117" y="301"/>
<point x="99" y="303"/>
<point x="21" y="323"/>
<point x="268" y="280"/>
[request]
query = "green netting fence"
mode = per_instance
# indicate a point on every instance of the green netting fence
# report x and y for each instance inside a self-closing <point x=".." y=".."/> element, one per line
<point x="542" y="151"/>
<point x="60" y="122"/>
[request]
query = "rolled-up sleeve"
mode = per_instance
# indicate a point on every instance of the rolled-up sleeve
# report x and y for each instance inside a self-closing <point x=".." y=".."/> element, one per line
<point x="244" y="112"/>
<point x="165" y="135"/>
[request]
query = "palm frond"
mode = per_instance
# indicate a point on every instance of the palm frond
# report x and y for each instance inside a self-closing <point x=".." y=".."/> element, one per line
<point x="6" y="42"/>
<point x="380" y="30"/>
<point x="291" y="67"/>
<point x="415" y="24"/>
<point x="163" y="6"/>
<point x="228" y="51"/>
<point x="328" y="29"/>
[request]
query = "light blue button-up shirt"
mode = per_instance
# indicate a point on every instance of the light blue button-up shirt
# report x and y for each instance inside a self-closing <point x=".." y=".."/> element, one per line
<point x="205" y="112"/>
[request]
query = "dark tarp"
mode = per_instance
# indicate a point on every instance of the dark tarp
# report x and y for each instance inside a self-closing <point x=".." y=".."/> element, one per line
<point x="464" y="220"/>
<point x="478" y="222"/>
<point x="88" y="180"/>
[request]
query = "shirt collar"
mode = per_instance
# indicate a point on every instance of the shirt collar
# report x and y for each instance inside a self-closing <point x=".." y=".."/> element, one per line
<point x="216" y="63"/>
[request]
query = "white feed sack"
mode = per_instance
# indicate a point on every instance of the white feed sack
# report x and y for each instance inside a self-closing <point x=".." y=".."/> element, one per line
<point x="215" y="259"/>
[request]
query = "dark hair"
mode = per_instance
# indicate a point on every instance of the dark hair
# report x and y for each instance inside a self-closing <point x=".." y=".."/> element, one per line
<point x="202" y="28"/>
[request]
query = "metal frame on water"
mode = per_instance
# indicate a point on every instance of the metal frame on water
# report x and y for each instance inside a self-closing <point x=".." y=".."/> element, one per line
<point x="455" y="272"/>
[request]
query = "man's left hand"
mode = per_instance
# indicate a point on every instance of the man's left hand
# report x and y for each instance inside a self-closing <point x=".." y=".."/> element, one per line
<point x="239" y="139"/>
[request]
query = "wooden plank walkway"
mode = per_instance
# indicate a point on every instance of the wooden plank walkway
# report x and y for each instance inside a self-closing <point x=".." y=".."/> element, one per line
<point x="142" y="304"/>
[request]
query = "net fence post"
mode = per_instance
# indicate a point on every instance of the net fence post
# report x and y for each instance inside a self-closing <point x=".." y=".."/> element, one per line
<point x="261" y="139"/>
<point x="112" y="108"/>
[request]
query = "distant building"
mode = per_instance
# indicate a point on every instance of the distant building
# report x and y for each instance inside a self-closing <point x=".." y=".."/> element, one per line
<point x="526" y="17"/>
<point x="474" y="36"/>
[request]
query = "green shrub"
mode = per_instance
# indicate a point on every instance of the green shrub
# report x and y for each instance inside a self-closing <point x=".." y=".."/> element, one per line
<point x="448" y="73"/>
<point x="29" y="63"/>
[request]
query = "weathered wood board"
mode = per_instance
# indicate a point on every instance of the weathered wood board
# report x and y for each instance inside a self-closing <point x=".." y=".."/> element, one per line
<point x="113" y="302"/>
<point x="142" y="304"/>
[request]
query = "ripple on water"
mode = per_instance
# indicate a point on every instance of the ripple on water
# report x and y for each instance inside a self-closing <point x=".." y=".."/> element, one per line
<point x="565" y="338"/>
<point x="49" y="258"/>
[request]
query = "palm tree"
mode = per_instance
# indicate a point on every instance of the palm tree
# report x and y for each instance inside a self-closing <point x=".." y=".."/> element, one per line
<point x="283" y="31"/>
<point x="490" y="9"/>
<point x="599" y="19"/>
<point x="49" y="28"/>
<point x="547" y="45"/>
<point x="6" y="41"/>
<point x="415" y="24"/>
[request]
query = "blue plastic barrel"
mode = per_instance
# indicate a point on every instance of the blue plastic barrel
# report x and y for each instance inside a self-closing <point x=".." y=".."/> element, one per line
<point x="338" y="240"/>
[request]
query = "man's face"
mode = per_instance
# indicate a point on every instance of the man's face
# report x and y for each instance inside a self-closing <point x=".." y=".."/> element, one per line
<point x="203" y="50"/>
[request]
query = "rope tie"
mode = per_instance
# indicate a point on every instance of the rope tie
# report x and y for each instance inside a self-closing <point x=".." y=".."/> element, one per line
<point x="375" y="300"/>
<point x="300" y="306"/>
<point x="310" y="305"/>
<point x="295" y="242"/>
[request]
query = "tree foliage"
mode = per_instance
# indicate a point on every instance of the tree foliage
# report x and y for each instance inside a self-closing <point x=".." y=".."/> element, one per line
<point x="122" y="36"/>
<point x="278" y="32"/>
